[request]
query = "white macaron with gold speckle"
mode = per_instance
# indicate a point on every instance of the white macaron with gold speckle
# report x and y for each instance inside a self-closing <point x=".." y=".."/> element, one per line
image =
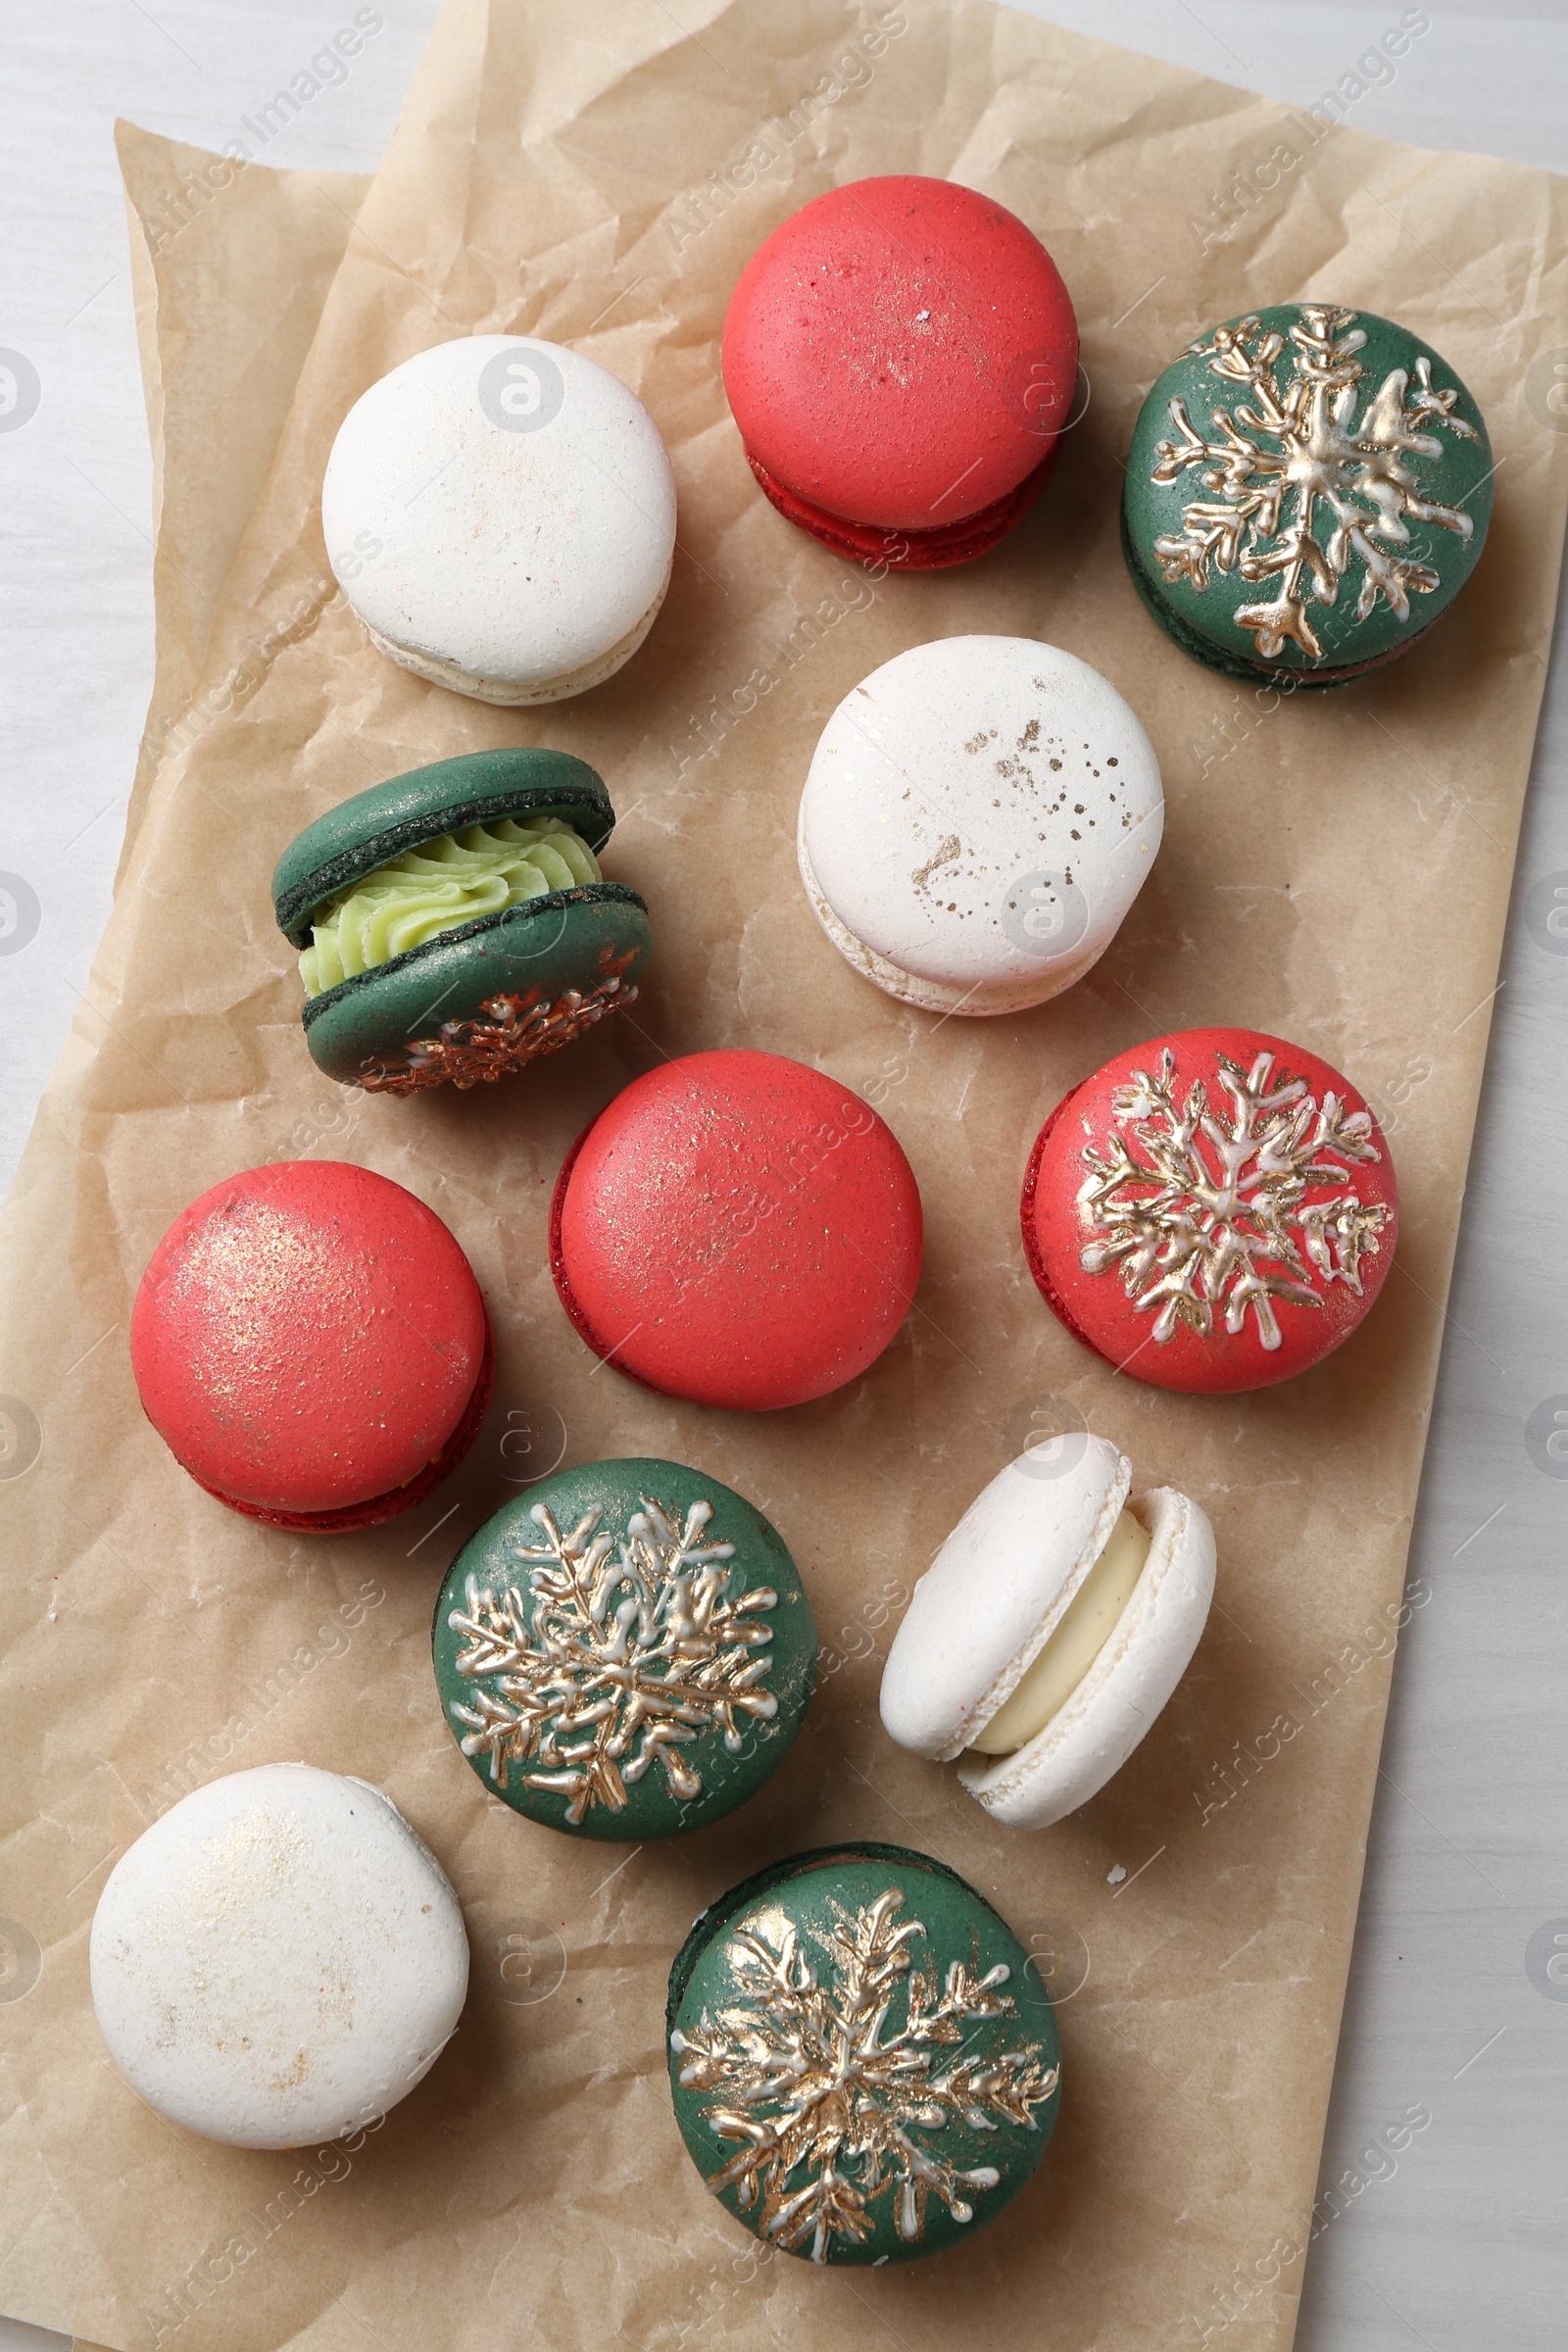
<point x="500" y="511"/>
<point x="279" y="1960"/>
<point x="1050" y="1630"/>
<point x="979" y="816"/>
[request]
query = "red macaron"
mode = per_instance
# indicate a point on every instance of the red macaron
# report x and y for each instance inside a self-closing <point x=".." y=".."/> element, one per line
<point x="737" y="1230"/>
<point x="1212" y="1211"/>
<point x="310" y="1344"/>
<point x="900" y="357"/>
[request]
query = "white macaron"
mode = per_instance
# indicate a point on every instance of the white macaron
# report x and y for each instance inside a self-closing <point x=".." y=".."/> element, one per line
<point x="278" y="1959"/>
<point x="979" y="815"/>
<point x="1050" y="1630"/>
<point x="500" y="514"/>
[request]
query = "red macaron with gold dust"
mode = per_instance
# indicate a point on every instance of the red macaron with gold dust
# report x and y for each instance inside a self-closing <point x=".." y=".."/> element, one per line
<point x="900" y="357"/>
<point x="1212" y="1211"/>
<point x="311" y="1344"/>
<point x="738" y="1230"/>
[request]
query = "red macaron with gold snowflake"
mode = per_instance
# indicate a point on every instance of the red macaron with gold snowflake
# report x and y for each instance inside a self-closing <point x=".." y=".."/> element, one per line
<point x="1212" y="1211"/>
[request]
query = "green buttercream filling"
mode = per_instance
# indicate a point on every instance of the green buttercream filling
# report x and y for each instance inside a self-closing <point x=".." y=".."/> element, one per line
<point x="439" y="887"/>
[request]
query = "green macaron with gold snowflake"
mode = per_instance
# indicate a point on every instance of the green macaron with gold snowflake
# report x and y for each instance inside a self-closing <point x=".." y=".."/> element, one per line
<point x="453" y="923"/>
<point x="1307" y="490"/>
<point x="625" y="1650"/>
<point x="864" y="2067"/>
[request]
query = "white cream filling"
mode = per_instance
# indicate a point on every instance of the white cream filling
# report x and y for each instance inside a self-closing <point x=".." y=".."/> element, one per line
<point x="1087" y="1625"/>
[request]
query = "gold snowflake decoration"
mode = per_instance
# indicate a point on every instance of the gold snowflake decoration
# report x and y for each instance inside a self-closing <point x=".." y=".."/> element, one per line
<point x="510" y="1031"/>
<point x="1304" y="487"/>
<point x="832" y="2108"/>
<point x="1211" y="1211"/>
<point x="624" y="1651"/>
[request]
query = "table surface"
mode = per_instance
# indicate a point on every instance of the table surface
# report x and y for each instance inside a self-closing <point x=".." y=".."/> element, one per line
<point x="1459" y="2240"/>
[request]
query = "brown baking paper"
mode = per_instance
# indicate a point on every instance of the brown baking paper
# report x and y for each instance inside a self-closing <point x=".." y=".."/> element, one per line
<point x="1335" y="869"/>
<point x="230" y="265"/>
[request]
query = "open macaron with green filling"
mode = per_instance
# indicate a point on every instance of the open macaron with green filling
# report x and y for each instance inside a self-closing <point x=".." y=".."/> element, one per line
<point x="453" y="923"/>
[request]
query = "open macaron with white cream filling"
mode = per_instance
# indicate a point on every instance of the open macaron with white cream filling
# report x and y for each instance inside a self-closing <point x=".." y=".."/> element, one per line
<point x="1050" y="1630"/>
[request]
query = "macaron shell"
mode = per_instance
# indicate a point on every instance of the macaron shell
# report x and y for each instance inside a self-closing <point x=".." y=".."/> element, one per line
<point x="1079" y="1152"/>
<point x="996" y="1591"/>
<point x="808" y="2008"/>
<point x="1149" y="1651"/>
<point x="609" y="1778"/>
<point x="307" y="1337"/>
<point x="901" y="352"/>
<point x="981" y="812"/>
<point x="1152" y="595"/>
<point x="278" y="1959"/>
<point x="529" y="693"/>
<point x="1389" y="454"/>
<point x="537" y="548"/>
<point x="406" y="1498"/>
<point x="556" y="964"/>
<point x="476" y="788"/>
<point x="738" y="1230"/>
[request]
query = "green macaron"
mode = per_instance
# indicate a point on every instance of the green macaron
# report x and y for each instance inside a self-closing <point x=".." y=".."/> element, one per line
<point x="626" y="1651"/>
<point x="864" y="2068"/>
<point x="1307" y="489"/>
<point x="454" y="923"/>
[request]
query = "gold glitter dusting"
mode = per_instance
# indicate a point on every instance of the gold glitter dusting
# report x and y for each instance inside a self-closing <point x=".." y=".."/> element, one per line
<point x="1203" y="1219"/>
<point x="832" y="2108"/>
<point x="509" y="1032"/>
<point x="635" y="1649"/>
<point x="234" y="1285"/>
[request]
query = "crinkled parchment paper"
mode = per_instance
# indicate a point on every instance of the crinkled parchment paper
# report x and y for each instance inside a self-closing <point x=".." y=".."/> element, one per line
<point x="1334" y="868"/>
<point x="231" y="267"/>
